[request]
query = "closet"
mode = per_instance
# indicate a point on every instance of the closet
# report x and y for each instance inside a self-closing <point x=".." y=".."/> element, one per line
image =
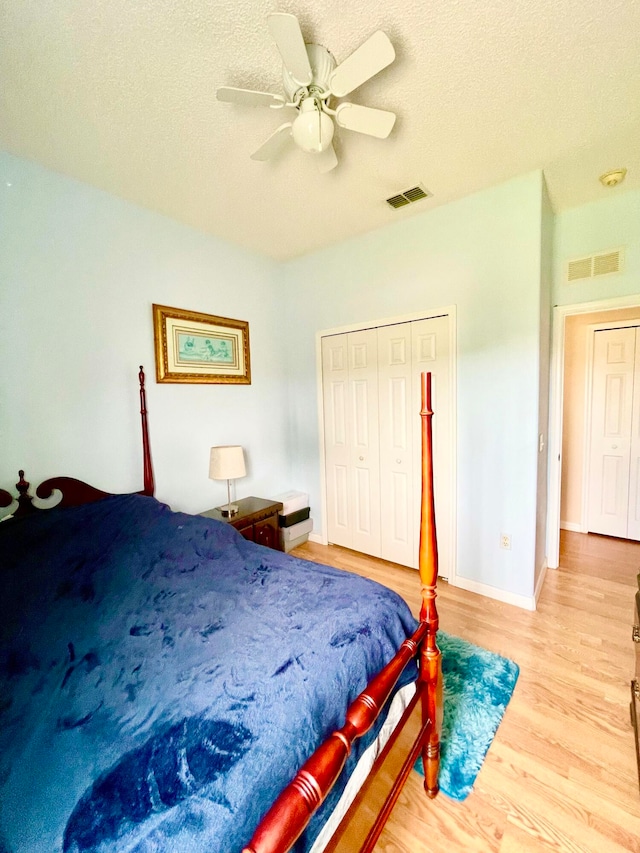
<point x="371" y="400"/>
<point x="614" y="448"/>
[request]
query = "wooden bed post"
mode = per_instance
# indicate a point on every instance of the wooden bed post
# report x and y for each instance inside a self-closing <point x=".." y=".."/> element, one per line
<point x="149" y="484"/>
<point x="430" y="657"/>
<point x="24" y="498"/>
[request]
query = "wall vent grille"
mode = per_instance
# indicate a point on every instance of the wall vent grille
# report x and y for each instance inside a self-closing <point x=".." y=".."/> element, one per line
<point x="408" y="196"/>
<point x="398" y="201"/>
<point x="605" y="263"/>
<point x="580" y="268"/>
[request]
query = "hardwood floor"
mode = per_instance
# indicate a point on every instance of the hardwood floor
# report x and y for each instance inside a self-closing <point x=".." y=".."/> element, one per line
<point x="560" y="774"/>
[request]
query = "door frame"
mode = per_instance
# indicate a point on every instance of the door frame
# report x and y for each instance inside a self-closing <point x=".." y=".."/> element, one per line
<point x="448" y="311"/>
<point x="556" y="392"/>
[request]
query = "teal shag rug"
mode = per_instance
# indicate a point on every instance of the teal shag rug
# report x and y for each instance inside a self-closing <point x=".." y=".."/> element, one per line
<point x="478" y="685"/>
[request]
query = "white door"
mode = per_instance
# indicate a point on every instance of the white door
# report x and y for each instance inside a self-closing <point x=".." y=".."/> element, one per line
<point x="614" y="358"/>
<point x="404" y="351"/>
<point x="352" y="465"/>
<point x="335" y="391"/>
<point x="397" y="469"/>
<point x="633" y="520"/>
<point x="365" y="458"/>
<point x="371" y="394"/>
<point x="431" y="352"/>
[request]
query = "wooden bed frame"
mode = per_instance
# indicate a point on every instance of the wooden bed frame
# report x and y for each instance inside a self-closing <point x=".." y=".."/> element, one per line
<point x="292" y="810"/>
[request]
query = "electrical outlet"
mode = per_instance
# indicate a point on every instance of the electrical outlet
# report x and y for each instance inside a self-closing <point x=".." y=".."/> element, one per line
<point x="505" y="541"/>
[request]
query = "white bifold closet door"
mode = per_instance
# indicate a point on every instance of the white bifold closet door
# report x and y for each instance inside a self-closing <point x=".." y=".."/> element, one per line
<point x="614" y="455"/>
<point x="350" y="389"/>
<point x="371" y="391"/>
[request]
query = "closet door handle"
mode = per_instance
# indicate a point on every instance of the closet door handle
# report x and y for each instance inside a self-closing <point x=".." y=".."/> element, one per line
<point x="398" y="461"/>
<point x="361" y="458"/>
<point x="614" y="446"/>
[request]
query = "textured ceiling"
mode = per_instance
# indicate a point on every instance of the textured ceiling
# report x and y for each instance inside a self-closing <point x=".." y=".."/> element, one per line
<point x="121" y="94"/>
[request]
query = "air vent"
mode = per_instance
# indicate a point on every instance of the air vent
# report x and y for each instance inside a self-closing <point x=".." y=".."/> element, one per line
<point x="415" y="194"/>
<point x="579" y="269"/>
<point x="605" y="264"/>
<point x="398" y="201"/>
<point x="408" y="196"/>
<point x="595" y="265"/>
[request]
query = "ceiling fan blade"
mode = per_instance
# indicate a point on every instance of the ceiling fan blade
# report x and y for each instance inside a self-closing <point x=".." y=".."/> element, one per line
<point x="364" y="63"/>
<point x="249" y="98"/>
<point x="327" y="160"/>
<point x="286" y="32"/>
<point x="274" y="144"/>
<point x="365" y="119"/>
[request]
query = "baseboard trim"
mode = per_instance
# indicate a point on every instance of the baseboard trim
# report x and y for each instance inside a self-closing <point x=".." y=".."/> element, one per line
<point x="317" y="538"/>
<point x="573" y="526"/>
<point x="540" y="583"/>
<point x="523" y="601"/>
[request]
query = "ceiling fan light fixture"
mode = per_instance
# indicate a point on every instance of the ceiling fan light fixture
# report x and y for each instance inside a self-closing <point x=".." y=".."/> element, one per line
<point x="313" y="129"/>
<point x="311" y="79"/>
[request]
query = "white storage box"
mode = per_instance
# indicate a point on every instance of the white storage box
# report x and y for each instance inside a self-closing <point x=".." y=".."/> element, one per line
<point x="302" y="528"/>
<point x="291" y="501"/>
<point x="289" y="546"/>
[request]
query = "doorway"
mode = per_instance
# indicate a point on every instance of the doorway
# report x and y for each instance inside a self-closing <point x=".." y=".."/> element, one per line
<point x="567" y="412"/>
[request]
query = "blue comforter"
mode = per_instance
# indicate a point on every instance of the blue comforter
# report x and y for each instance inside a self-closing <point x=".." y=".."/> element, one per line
<point x="161" y="678"/>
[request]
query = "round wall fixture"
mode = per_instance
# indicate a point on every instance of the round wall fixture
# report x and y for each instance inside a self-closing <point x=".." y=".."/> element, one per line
<point x="613" y="178"/>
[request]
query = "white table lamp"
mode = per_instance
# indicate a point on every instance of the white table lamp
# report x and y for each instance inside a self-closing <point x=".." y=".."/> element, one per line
<point x="227" y="463"/>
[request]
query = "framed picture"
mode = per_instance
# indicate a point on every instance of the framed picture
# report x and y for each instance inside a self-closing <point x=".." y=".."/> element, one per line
<point x="194" y="347"/>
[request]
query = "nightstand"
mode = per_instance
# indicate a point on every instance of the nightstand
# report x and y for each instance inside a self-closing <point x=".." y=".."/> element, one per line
<point x="256" y="519"/>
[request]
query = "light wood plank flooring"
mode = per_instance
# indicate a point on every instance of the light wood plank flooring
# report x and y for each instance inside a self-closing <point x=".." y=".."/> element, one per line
<point x="560" y="774"/>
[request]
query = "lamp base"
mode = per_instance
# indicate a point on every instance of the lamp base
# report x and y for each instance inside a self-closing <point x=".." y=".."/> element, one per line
<point x="229" y="510"/>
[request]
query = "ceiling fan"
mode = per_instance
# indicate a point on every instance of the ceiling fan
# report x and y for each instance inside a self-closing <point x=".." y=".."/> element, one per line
<point x="311" y="79"/>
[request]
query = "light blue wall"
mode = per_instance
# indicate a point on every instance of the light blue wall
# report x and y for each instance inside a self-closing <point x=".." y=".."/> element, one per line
<point x="483" y="254"/>
<point x="600" y="226"/>
<point x="79" y="271"/>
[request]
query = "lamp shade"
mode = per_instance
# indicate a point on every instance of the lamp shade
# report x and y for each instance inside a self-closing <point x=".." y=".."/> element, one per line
<point x="312" y="130"/>
<point x="226" y="462"/>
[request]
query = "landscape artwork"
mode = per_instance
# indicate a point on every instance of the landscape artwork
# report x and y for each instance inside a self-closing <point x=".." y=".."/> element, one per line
<point x="199" y="348"/>
<point x="194" y="348"/>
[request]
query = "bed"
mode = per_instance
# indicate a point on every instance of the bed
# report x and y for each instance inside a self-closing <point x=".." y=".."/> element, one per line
<point x="162" y="678"/>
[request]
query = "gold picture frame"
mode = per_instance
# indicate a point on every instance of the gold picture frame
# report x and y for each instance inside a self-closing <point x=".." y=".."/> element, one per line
<point x="193" y="347"/>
